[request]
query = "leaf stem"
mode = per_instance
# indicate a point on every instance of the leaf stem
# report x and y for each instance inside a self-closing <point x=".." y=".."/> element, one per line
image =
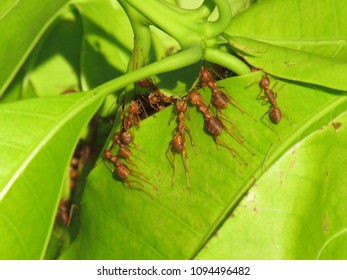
<point x="177" y="25"/>
<point x="170" y="63"/>
<point x="202" y="12"/>
<point x="214" y="28"/>
<point x="227" y="60"/>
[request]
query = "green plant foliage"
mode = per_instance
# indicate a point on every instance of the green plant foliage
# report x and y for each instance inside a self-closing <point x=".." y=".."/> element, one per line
<point x="300" y="218"/>
<point x="173" y="222"/>
<point x="292" y="64"/>
<point x="308" y="26"/>
<point x="261" y="195"/>
<point x="36" y="16"/>
<point x="38" y="139"/>
<point x="56" y="69"/>
<point x="106" y="47"/>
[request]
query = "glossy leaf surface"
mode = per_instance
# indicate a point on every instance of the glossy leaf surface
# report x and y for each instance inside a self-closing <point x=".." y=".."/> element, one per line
<point x="297" y="209"/>
<point x="14" y="15"/>
<point x="37" y="140"/>
<point x="306" y="25"/>
<point x="171" y="222"/>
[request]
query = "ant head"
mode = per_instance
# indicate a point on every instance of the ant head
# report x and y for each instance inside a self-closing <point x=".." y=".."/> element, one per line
<point x="264" y="82"/>
<point x="195" y="97"/>
<point x="108" y="154"/>
<point x="116" y="138"/>
<point x="205" y="74"/>
<point x="144" y="83"/>
<point x="181" y="105"/>
<point x="154" y="98"/>
<point x="134" y="107"/>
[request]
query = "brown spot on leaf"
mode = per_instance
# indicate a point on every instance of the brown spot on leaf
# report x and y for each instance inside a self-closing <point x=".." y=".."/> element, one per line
<point x="336" y="125"/>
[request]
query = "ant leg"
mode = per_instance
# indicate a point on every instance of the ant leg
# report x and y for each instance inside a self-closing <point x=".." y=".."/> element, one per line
<point x="142" y="177"/>
<point x="225" y="145"/>
<point x="233" y="102"/>
<point x="140" y="159"/>
<point x="266" y="156"/>
<point x="240" y="141"/>
<point x="73" y="206"/>
<point x="223" y="116"/>
<point x="232" y="133"/>
<point x="171" y="157"/>
<point x="191" y="139"/>
<point x="263" y="97"/>
<point x="251" y="83"/>
<point x="286" y="117"/>
<point x="185" y="162"/>
<point x="131" y="162"/>
<point x="130" y="184"/>
<point x="268" y="123"/>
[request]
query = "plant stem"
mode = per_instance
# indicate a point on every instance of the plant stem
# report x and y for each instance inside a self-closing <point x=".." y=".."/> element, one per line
<point x="170" y="63"/>
<point x="177" y="25"/>
<point x="227" y="60"/>
<point x="202" y="12"/>
<point x="215" y="28"/>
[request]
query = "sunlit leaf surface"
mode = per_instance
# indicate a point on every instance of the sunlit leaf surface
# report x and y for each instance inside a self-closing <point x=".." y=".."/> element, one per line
<point x="311" y="26"/>
<point x="292" y="64"/>
<point x="297" y="209"/>
<point x="171" y="222"/>
<point x="37" y="140"/>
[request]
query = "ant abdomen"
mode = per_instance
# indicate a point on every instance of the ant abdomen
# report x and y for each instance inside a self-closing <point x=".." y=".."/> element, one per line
<point x="214" y="126"/>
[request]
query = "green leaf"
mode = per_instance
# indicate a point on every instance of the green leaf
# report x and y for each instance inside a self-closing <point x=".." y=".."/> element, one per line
<point x="118" y="222"/>
<point x="292" y="64"/>
<point x="106" y="47"/>
<point x="107" y="42"/>
<point x="36" y="144"/>
<point x="297" y="209"/>
<point x="14" y="15"/>
<point x="296" y="24"/>
<point x="54" y="65"/>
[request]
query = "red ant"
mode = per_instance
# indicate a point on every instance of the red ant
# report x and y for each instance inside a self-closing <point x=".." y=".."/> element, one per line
<point x="157" y="99"/>
<point x="213" y="124"/>
<point x="133" y="118"/>
<point x="270" y="96"/>
<point x="219" y="98"/>
<point x="123" y="171"/>
<point x="134" y="112"/>
<point x="125" y="136"/>
<point x="178" y="144"/>
<point x="124" y="139"/>
<point x="65" y="211"/>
